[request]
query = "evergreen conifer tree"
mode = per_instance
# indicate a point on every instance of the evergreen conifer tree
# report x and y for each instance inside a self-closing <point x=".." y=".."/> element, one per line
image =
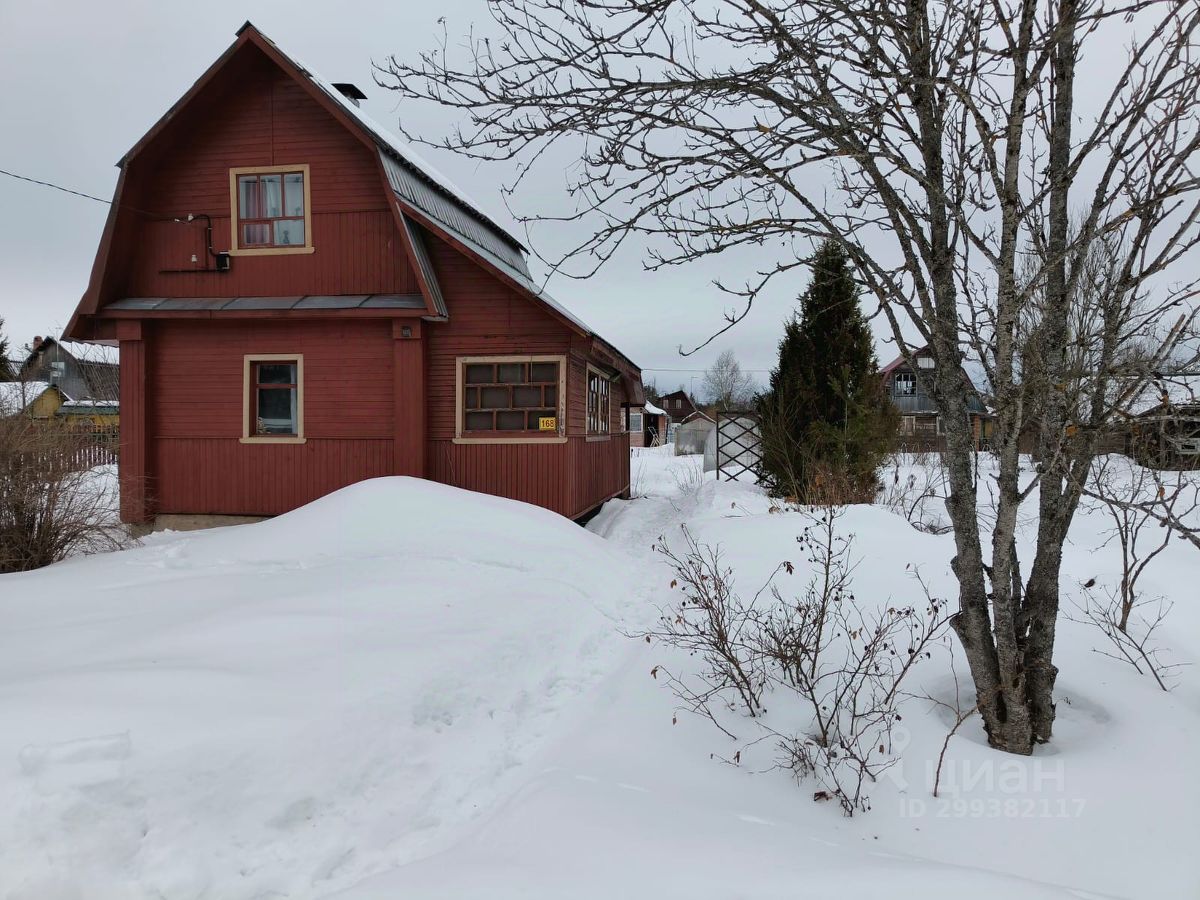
<point x="826" y="423"/>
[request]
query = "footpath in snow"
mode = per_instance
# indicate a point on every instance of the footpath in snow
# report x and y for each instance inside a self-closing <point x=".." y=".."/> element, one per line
<point x="408" y="690"/>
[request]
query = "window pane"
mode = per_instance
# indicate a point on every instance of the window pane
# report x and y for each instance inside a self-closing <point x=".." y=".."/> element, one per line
<point x="256" y="234"/>
<point x="472" y="400"/>
<point x="478" y="421"/>
<point x="276" y="373"/>
<point x="525" y="397"/>
<point x="293" y="194"/>
<point x="494" y="398"/>
<point x="289" y="233"/>
<point x="551" y="394"/>
<point x="272" y="195"/>
<point x="480" y="373"/>
<point x="248" y="206"/>
<point x="543" y="372"/>
<point x="510" y="421"/>
<point x="276" y="411"/>
<point x="510" y="373"/>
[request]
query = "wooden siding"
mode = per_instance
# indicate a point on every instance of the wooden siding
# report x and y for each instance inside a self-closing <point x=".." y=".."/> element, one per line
<point x="198" y="375"/>
<point x="221" y="476"/>
<point x="254" y="115"/>
<point x="377" y="401"/>
<point x="199" y="465"/>
<point x="570" y="478"/>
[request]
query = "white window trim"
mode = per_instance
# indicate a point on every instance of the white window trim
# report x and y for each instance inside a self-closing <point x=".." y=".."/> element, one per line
<point x="235" y="248"/>
<point x="461" y="436"/>
<point x="247" y="386"/>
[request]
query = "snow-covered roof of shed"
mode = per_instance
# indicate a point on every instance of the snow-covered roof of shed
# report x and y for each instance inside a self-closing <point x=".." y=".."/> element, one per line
<point x="17" y="395"/>
<point x="652" y="409"/>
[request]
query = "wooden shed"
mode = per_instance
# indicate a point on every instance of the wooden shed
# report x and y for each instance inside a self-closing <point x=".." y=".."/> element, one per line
<point x="301" y="302"/>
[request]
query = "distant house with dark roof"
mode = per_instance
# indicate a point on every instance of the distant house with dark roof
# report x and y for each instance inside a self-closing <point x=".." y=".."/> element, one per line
<point x="83" y="372"/>
<point x="1160" y="424"/>
<point x="302" y="302"/>
<point x="678" y="405"/>
<point x="906" y="386"/>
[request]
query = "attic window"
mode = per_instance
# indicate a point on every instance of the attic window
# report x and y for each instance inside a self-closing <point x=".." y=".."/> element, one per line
<point x="270" y="210"/>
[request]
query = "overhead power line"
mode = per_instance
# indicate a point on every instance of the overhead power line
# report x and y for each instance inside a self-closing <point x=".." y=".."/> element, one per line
<point x="57" y="187"/>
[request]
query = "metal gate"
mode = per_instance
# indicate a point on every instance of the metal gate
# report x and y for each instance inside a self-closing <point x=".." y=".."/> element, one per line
<point x="739" y="445"/>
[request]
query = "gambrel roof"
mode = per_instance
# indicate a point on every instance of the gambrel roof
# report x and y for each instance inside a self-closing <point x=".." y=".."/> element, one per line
<point x="427" y="202"/>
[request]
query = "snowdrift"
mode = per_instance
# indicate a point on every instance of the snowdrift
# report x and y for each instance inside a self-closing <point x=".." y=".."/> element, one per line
<point x="280" y="709"/>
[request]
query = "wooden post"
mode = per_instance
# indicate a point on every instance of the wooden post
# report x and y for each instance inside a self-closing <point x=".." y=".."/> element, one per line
<point x="133" y="467"/>
<point x="408" y="394"/>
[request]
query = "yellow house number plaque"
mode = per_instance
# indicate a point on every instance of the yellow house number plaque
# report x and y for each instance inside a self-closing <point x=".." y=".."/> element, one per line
<point x="548" y="423"/>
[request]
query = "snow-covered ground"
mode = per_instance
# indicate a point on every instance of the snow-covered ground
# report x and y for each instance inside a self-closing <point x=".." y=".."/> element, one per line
<point x="405" y="690"/>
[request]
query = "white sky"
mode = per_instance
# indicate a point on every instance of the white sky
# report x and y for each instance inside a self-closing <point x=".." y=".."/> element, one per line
<point x="85" y="81"/>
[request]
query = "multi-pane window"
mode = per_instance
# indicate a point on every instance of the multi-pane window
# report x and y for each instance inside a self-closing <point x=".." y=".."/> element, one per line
<point x="505" y="396"/>
<point x="274" y="398"/>
<point x="635" y="422"/>
<point x="906" y="384"/>
<point x="271" y="210"/>
<point x="598" y="395"/>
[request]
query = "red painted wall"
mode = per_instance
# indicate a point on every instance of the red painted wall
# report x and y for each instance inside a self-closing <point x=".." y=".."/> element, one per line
<point x="253" y="114"/>
<point x="195" y="408"/>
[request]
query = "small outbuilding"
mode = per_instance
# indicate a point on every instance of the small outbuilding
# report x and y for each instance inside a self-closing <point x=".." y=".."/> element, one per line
<point x="692" y="433"/>
<point x="647" y="425"/>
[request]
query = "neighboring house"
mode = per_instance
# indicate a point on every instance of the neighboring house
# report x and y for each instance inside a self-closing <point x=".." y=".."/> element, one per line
<point x="907" y="388"/>
<point x="647" y="425"/>
<point x="37" y="399"/>
<point x="1161" y="424"/>
<point x="82" y="372"/>
<point x="692" y="433"/>
<point x="302" y="303"/>
<point x="678" y="405"/>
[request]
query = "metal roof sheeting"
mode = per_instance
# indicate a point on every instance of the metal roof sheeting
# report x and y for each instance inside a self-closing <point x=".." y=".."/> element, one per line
<point x="235" y="304"/>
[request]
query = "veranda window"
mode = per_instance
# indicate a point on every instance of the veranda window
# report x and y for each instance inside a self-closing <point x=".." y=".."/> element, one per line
<point x="510" y="397"/>
<point x="598" y="396"/>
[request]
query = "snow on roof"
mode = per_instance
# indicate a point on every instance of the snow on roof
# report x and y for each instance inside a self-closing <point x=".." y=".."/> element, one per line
<point x="652" y="409"/>
<point x="83" y="404"/>
<point x="16" y="395"/>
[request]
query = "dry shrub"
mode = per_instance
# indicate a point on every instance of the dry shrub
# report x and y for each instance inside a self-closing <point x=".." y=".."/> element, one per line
<point x="835" y="666"/>
<point x="52" y="503"/>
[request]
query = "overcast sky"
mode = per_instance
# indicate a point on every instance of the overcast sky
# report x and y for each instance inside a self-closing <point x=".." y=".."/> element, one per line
<point x="84" y="82"/>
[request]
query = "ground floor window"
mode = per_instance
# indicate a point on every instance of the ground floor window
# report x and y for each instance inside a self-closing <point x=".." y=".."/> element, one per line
<point x="599" y="395"/>
<point x="510" y="397"/>
<point x="635" y="422"/>
<point x="274" y="398"/>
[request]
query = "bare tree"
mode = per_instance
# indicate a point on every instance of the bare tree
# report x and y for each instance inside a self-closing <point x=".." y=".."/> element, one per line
<point x="726" y="385"/>
<point x="943" y="145"/>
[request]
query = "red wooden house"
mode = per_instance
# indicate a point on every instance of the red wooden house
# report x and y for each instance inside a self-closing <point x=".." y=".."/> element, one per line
<point x="301" y="303"/>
